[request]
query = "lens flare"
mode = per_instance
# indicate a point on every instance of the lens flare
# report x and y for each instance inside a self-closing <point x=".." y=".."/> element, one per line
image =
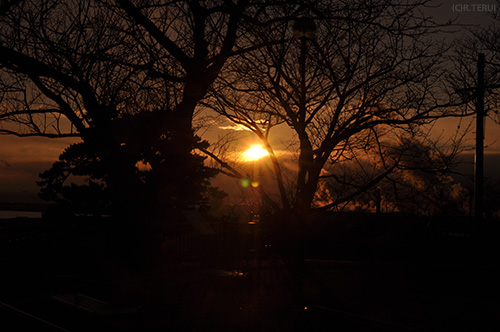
<point x="245" y="182"/>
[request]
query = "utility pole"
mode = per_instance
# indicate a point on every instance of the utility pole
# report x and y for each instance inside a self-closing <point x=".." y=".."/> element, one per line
<point x="479" y="157"/>
<point x="478" y="204"/>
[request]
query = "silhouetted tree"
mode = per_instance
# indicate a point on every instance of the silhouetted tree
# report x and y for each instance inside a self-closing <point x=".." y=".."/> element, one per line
<point x="57" y="80"/>
<point x="464" y="78"/>
<point x="463" y="74"/>
<point x="58" y="183"/>
<point x="366" y="74"/>
<point x="73" y="68"/>
<point x="79" y="180"/>
<point x="420" y="182"/>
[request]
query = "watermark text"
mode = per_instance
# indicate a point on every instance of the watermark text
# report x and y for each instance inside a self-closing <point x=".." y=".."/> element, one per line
<point x="473" y="7"/>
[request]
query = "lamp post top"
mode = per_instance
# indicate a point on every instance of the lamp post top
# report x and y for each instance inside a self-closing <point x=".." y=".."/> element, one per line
<point x="304" y="28"/>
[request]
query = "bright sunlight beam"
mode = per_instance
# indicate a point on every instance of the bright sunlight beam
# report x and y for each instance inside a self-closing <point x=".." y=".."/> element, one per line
<point x="255" y="152"/>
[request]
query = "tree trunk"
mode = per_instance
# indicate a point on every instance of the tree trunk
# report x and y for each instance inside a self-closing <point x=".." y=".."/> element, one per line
<point x="298" y="220"/>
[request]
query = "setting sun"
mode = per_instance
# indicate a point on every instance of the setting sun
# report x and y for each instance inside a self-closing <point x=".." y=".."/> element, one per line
<point x="255" y="152"/>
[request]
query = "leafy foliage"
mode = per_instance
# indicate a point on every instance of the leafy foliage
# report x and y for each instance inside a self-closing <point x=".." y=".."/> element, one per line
<point x="76" y="162"/>
<point x="166" y="175"/>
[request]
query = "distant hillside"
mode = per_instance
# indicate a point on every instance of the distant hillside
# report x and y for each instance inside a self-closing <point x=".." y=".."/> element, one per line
<point x="20" y="197"/>
<point x="26" y="207"/>
<point x="22" y="201"/>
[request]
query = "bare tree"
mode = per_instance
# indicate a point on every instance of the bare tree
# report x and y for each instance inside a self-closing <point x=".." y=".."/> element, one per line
<point x="57" y="79"/>
<point x="353" y="80"/>
<point x="185" y="45"/>
<point x="80" y="68"/>
<point x="419" y="181"/>
<point x="476" y="76"/>
<point x="463" y="76"/>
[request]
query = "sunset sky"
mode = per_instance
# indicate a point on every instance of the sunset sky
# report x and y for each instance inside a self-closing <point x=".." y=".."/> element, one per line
<point x="22" y="159"/>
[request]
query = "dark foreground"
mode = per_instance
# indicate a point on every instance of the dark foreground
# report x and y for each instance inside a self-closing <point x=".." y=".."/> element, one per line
<point x="446" y="285"/>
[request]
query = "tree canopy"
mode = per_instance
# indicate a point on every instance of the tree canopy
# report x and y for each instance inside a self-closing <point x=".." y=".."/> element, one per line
<point x="364" y="75"/>
<point x="79" y="68"/>
<point x="360" y="74"/>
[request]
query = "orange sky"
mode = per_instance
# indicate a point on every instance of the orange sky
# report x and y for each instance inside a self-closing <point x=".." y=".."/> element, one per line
<point x="22" y="159"/>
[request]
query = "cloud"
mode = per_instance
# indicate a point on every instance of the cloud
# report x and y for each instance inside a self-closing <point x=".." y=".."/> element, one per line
<point x="240" y="127"/>
<point x="235" y="127"/>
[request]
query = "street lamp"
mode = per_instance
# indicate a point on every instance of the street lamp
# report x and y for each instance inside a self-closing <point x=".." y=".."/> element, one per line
<point x="304" y="29"/>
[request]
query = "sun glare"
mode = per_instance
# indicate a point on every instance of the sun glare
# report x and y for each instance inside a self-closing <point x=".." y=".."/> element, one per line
<point x="255" y="152"/>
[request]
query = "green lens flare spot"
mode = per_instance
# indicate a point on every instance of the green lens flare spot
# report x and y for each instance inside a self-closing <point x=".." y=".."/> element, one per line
<point x="245" y="182"/>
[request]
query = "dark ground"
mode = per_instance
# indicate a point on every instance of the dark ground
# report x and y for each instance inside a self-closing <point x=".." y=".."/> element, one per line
<point x="371" y="280"/>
